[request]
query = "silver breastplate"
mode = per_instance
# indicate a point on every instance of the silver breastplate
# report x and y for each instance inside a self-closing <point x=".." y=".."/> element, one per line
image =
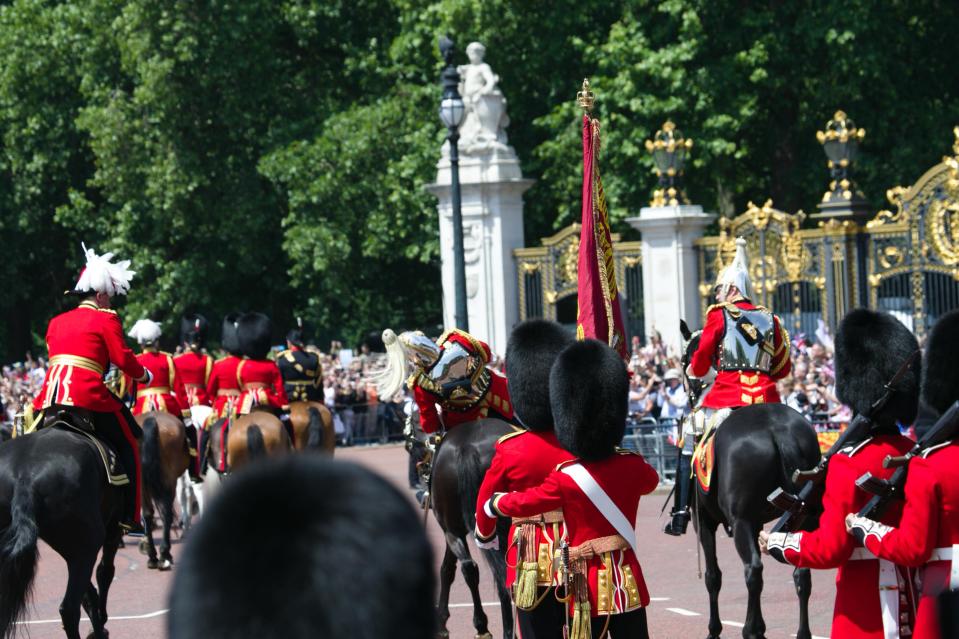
<point x="748" y="344"/>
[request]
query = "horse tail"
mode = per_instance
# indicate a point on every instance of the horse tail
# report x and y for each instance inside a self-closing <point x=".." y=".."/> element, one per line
<point x="254" y="442"/>
<point x="469" y="476"/>
<point x="791" y="457"/>
<point x="152" y="462"/>
<point x="315" y="432"/>
<point x="18" y="561"/>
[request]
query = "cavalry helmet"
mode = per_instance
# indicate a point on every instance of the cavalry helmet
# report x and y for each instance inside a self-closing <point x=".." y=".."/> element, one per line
<point x="737" y="273"/>
<point x="531" y="351"/>
<point x="588" y="389"/>
<point x="940" y="380"/>
<point x="870" y="349"/>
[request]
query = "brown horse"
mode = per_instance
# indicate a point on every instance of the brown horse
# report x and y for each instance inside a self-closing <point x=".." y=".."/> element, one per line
<point x="165" y="457"/>
<point x="312" y="434"/>
<point x="257" y="434"/>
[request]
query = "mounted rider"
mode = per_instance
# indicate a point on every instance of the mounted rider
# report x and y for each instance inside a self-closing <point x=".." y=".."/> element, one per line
<point x="81" y="345"/>
<point x="871" y="595"/>
<point x="261" y="386"/>
<point x="743" y="350"/>
<point x="300" y="367"/>
<point x="451" y="373"/>
<point x="193" y="368"/>
<point x="223" y="389"/>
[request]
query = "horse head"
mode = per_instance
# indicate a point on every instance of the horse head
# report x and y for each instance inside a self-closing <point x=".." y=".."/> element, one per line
<point x="696" y="388"/>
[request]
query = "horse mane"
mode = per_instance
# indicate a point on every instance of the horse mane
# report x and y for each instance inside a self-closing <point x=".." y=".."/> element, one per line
<point x="337" y="551"/>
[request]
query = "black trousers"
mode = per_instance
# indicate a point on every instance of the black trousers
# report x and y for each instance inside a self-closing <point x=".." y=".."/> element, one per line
<point x="629" y="625"/>
<point x="545" y="621"/>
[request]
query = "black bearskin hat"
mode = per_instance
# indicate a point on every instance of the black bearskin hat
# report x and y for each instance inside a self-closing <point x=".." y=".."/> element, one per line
<point x="870" y="349"/>
<point x="588" y="390"/>
<point x="193" y="329"/>
<point x="323" y="547"/>
<point x="255" y="333"/>
<point x="533" y="347"/>
<point x="940" y="380"/>
<point x="228" y="337"/>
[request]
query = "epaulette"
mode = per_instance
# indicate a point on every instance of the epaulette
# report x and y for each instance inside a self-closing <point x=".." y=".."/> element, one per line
<point x="933" y="449"/>
<point x="568" y="461"/>
<point x="852" y="449"/>
<point x="626" y="451"/>
<point x="517" y="431"/>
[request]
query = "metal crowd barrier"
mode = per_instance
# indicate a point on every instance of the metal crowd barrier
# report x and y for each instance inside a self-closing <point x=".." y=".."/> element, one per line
<point x="656" y="441"/>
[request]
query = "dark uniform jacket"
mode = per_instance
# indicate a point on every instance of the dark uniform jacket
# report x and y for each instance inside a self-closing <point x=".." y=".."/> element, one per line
<point x="302" y="374"/>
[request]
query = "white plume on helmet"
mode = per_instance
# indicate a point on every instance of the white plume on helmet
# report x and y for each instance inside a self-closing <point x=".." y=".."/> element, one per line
<point x="737" y="273"/>
<point x="403" y="352"/>
<point x="103" y="276"/>
<point x="145" y="331"/>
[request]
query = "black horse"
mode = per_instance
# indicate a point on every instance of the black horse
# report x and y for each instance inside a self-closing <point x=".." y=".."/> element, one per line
<point x="756" y="450"/>
<point x="459" y="465"/>
<point x="53" y="487"/>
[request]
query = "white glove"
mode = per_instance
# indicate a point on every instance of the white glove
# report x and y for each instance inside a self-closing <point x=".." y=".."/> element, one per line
<point x="187" y="421"/>
<point x="489" y="544"/>
<point x="148" y="375"/>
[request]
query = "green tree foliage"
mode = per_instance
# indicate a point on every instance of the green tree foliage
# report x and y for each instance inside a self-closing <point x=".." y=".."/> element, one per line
<point x="273" y="155"/>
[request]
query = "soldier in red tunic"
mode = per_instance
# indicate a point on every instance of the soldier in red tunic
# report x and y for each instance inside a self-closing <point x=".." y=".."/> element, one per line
<point x="871" y="594"/>
<point x="261" y="385"/>
<point x="451" y="373"/>
<point x="165" y="392"/>
<point x="928" y="534"/>
<point x="749" y="348"/>
<point x="81" y="344"/>
<point x="223" y="388"/>
<point x="523" y="460"/>
<point x="598" y="492"/>
<point x="193" y="366"/>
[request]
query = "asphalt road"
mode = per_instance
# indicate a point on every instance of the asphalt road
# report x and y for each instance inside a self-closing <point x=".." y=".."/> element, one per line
<point x="138" y="599"/>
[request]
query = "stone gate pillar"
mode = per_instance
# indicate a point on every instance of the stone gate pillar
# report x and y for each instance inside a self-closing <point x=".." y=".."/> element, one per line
<point x="670" y="267"/>
<point x="492" y="187"/>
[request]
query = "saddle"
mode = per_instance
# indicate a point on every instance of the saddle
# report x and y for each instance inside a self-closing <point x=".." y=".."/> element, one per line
<point x="703" y="454"/>
<point x="80" y="421"/>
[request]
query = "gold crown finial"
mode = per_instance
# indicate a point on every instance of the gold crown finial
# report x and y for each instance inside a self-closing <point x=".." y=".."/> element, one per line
<point x="586" y="98"/>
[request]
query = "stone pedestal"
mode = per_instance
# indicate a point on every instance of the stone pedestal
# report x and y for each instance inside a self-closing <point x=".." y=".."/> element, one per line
<point x="670" y="268"/>
<point x="492" y="187"/>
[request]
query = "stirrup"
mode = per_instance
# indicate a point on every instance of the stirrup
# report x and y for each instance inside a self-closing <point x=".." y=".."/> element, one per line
<point x="679" y="523"/>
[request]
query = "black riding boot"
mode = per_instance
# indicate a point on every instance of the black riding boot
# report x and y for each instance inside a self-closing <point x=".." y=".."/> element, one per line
<point x="202" y="450"/>
<point x="680" y="512"/>
<point x="194" y="467"/>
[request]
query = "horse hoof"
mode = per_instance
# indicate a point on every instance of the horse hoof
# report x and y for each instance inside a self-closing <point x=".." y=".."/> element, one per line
<point x="166" y="564"/>
<point x="153" y="564"/>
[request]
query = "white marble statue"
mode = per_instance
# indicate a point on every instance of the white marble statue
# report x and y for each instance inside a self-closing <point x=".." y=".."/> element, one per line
<point x="484" y="127"/>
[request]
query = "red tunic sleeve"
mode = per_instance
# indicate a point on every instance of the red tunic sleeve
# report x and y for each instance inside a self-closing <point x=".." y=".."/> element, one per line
<point x="829" y="546"/>
<point x="781" y="363"/>
<point x="120" y="354"/>
<point x="708" y="342"/>
<point x="533" y="501"/>
<point x="429" y="416"/>
<point x="496" y="480"/>
<point x="913" y="541"/>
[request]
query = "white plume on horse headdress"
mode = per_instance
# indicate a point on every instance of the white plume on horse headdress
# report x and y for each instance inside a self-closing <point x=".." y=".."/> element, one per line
<point x="103" y="276"/>
<point x="402" y="351"/>
<point x="737" y="273"/>
<point x="145" y="331"/>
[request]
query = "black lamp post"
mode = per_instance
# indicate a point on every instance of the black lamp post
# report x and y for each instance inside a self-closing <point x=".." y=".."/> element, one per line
<point x="669" y="150"/>
<point x="452" y="111"/>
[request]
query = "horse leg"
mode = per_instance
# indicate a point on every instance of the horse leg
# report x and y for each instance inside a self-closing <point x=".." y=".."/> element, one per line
<point x="106" y="569"/>
<point x="497" y="563"/>
<point x="447" y="575"/>
<point x="471" y="575"/>
<point x="744" y="536"/>
<point x="166" y="513"/>
<point x="79" y="572"/>
<point x="713" y="576"/>
<point x="91" y="604"/>
<point x="802" y="578"/>
<point x="147" y="543"/>
<point x="183" y="490"/>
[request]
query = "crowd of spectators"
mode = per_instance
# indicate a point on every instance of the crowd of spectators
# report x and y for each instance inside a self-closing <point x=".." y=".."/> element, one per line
<point x="19" y="384"/>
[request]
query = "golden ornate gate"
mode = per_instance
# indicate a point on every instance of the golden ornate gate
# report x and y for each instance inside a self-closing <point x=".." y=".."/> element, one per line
<point x="912" y="263"/>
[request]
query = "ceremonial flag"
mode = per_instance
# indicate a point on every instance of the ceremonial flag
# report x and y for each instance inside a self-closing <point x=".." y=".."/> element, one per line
<point x="599" y="315"/>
